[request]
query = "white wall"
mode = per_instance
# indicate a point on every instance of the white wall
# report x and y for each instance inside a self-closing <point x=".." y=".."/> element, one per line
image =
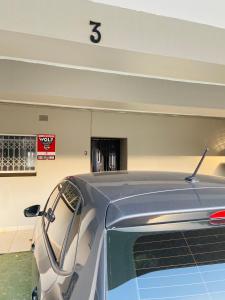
<point x="121" y="28"/>
<point x="166" y="143"/>
<point x="41" y="84"/>
<point x="210" y="12"/>
<point x="155" y="142"/>
<point x="72" y="129"/>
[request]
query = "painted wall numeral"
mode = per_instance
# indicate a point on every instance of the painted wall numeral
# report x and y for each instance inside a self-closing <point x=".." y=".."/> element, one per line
<point x="96" y="36"/>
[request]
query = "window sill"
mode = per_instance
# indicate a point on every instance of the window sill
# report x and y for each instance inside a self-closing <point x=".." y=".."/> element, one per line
<point x="17" y="174"/>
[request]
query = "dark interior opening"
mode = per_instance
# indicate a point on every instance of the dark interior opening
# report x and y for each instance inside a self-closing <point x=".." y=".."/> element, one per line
<point x="108" y="154"/>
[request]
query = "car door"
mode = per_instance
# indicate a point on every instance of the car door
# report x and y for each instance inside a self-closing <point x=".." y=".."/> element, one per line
<point x="61" y="236"/>
<point x="40" y="262"/>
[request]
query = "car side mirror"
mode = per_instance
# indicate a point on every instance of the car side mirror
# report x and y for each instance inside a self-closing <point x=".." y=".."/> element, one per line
<point x="33" y="211"/>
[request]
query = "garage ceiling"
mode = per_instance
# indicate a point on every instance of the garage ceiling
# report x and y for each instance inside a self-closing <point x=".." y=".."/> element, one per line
<point x="209" y="12"/>
<point x="149" y="60"/>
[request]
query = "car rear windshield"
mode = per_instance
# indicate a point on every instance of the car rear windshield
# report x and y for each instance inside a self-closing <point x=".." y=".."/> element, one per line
<point x="187" y="264"/>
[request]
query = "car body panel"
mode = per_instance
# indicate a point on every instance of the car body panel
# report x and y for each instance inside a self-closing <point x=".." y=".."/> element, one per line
<point x="90" y="245"/>
<point x="42" y="268"/>
<point x="92" y="227"/>
<point x="135" y="194"/>
<point x="120" y="199"/>
<point x="119" y="185"/>
<point x="146" y="207"/>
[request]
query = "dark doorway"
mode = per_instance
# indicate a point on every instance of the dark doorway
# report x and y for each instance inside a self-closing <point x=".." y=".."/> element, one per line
<point x="108" y="154"/>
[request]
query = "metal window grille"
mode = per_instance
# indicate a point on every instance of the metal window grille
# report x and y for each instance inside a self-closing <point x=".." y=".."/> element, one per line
<point x="17" y="153"/>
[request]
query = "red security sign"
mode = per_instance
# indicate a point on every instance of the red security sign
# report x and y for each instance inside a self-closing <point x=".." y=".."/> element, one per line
<point x="46" y="146"/>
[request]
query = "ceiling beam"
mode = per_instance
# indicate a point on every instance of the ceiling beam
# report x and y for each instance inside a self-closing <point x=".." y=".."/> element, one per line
<point x="49" y="85"/>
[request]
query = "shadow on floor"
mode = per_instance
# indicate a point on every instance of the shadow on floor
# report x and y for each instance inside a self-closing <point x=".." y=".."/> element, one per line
<point x="15" y="276"/>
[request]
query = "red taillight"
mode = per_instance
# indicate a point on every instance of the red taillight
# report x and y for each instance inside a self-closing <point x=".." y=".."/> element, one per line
<point x="217" y="218"/>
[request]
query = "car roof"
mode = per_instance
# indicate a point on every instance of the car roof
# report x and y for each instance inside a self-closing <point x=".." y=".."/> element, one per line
<point x="142" y="193"/>
<point x="123" y="184"/>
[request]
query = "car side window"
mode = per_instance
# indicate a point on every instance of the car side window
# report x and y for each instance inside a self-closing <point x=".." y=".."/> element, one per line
<point x="62" y="218"/>
<point x="52" y="200"/>
<point x="70" y="249"/>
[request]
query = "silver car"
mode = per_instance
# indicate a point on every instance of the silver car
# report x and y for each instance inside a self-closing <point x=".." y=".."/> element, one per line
<point x="131" y="236"/>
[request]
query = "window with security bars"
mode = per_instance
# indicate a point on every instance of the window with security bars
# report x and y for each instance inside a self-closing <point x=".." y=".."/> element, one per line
<point x="17" y="153"/>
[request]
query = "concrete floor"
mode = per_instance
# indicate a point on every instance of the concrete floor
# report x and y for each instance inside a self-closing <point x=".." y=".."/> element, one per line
<point x="15" y="241"/>
<point x="15" y="276"/>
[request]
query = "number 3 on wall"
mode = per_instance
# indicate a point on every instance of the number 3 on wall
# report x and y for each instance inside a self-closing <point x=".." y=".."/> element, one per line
<point x="96" y="37"/>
